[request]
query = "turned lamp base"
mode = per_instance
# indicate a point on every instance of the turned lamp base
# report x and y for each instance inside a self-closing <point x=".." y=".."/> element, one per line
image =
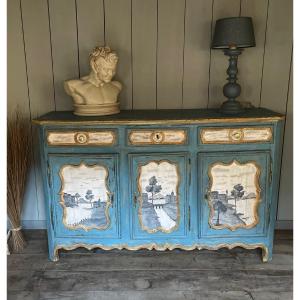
<point x="232" y="89"/>
<point x="232" y="108"/>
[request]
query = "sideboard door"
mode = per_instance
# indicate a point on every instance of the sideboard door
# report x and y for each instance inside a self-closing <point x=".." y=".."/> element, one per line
<point x="159" y="208"/>
<point x="233" y="193"/>
<point x="84" y="200"/>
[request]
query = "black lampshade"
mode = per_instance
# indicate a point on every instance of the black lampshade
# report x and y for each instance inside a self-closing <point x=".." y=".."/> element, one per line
<point x="237" y="32"/>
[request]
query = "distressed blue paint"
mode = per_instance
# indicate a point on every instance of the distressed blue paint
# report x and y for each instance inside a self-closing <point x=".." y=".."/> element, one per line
<point x="122" y="160"/>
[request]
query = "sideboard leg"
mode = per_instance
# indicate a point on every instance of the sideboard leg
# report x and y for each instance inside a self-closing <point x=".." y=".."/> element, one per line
<point x="266" y="254"/>
<point x="53" y="255"/>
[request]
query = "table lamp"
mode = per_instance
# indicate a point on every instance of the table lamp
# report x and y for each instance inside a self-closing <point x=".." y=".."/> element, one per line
<point x="232" y="35"/>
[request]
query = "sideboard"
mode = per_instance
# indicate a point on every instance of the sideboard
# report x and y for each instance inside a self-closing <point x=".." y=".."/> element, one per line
<point x="161" y="179"/>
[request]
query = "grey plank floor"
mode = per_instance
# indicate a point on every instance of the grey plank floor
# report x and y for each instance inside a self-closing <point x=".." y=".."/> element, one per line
<point x="144" y="275"/>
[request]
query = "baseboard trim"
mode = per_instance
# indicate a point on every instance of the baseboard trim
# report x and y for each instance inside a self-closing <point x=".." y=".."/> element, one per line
<point x="284" y="224"/>
<point x="34" y="224"/>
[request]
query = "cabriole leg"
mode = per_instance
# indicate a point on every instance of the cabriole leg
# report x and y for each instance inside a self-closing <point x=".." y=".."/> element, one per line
<point x="266" y="254"/>
<point x="53" y="254"/>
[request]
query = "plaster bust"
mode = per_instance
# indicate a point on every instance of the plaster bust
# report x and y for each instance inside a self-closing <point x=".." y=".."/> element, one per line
<point x="96" y="94"/>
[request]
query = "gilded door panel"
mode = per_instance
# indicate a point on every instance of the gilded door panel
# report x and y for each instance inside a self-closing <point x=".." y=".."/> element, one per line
<point x="85" y="195"/>
<point x="233" y="194"/>
<point x="159" y="195"/>
<point x="158" y="183"/>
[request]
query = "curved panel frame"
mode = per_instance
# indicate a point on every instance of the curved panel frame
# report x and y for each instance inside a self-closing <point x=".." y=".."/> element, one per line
<point x="62" y="201"/>
<point x="220" y="206"/>
<point x="140" y="210"/>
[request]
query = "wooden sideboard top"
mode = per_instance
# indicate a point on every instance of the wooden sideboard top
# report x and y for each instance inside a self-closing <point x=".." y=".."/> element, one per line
<point x="161" y="116"/>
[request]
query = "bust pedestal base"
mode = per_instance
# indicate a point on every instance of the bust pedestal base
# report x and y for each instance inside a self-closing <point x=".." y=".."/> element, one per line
<point x="96" y="109"/>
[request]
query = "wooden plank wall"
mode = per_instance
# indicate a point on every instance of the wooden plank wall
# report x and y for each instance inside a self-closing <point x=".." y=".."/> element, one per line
<point x="165" y="61"/>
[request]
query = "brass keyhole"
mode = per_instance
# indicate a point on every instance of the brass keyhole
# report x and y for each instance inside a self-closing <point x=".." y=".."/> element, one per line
<point x="236" y="135"/>
<point x="157" y="137"/>
<point x="81" y="138"/>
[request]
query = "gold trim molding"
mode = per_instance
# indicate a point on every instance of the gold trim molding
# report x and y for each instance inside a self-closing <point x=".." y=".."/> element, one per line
<point x="257" y="199"/>
<point x="157" y="137"/>
<point x="163" y="247"/>
<point x="81" y="138"/>
<point x="235" y="135"/>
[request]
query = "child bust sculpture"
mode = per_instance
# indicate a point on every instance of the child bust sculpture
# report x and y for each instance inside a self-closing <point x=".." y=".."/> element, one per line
<point x="95" y="94"/>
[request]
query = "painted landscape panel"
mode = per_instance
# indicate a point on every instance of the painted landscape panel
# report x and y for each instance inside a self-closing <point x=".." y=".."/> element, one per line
<point x="84" y="196"/>
<point x="158" y="185"/>
<point x="234" y="195"/>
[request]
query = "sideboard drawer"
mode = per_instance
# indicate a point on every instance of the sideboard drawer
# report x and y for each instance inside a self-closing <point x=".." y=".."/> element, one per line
<point x="236" y="135"/>
<point x="82" y="138"/>
<point x="159" y="136"/>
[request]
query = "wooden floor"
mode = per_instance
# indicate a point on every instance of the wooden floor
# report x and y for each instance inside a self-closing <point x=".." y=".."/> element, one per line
<point x="117" y="275"/>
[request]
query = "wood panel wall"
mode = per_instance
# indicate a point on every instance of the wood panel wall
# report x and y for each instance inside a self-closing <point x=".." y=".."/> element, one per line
<point x="165" y="61"/>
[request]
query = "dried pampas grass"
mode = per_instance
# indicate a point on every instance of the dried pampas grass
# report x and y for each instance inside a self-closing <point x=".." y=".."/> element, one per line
<point x="18" y="160"/>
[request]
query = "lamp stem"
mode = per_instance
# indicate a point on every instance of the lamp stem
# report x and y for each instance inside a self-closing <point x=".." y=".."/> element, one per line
<point x="232" y="89"/>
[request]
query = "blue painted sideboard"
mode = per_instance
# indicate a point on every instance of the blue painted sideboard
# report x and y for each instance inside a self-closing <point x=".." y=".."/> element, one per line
<point x="163" y="179"/>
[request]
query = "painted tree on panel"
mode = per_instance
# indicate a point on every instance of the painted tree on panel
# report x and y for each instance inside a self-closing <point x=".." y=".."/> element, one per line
<point x="77" y="196"/>
<point x="153" y="187"/>
<point x="89" y="196"/>
<point x="219" y="206"/>
<point x="237" y="192"/>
